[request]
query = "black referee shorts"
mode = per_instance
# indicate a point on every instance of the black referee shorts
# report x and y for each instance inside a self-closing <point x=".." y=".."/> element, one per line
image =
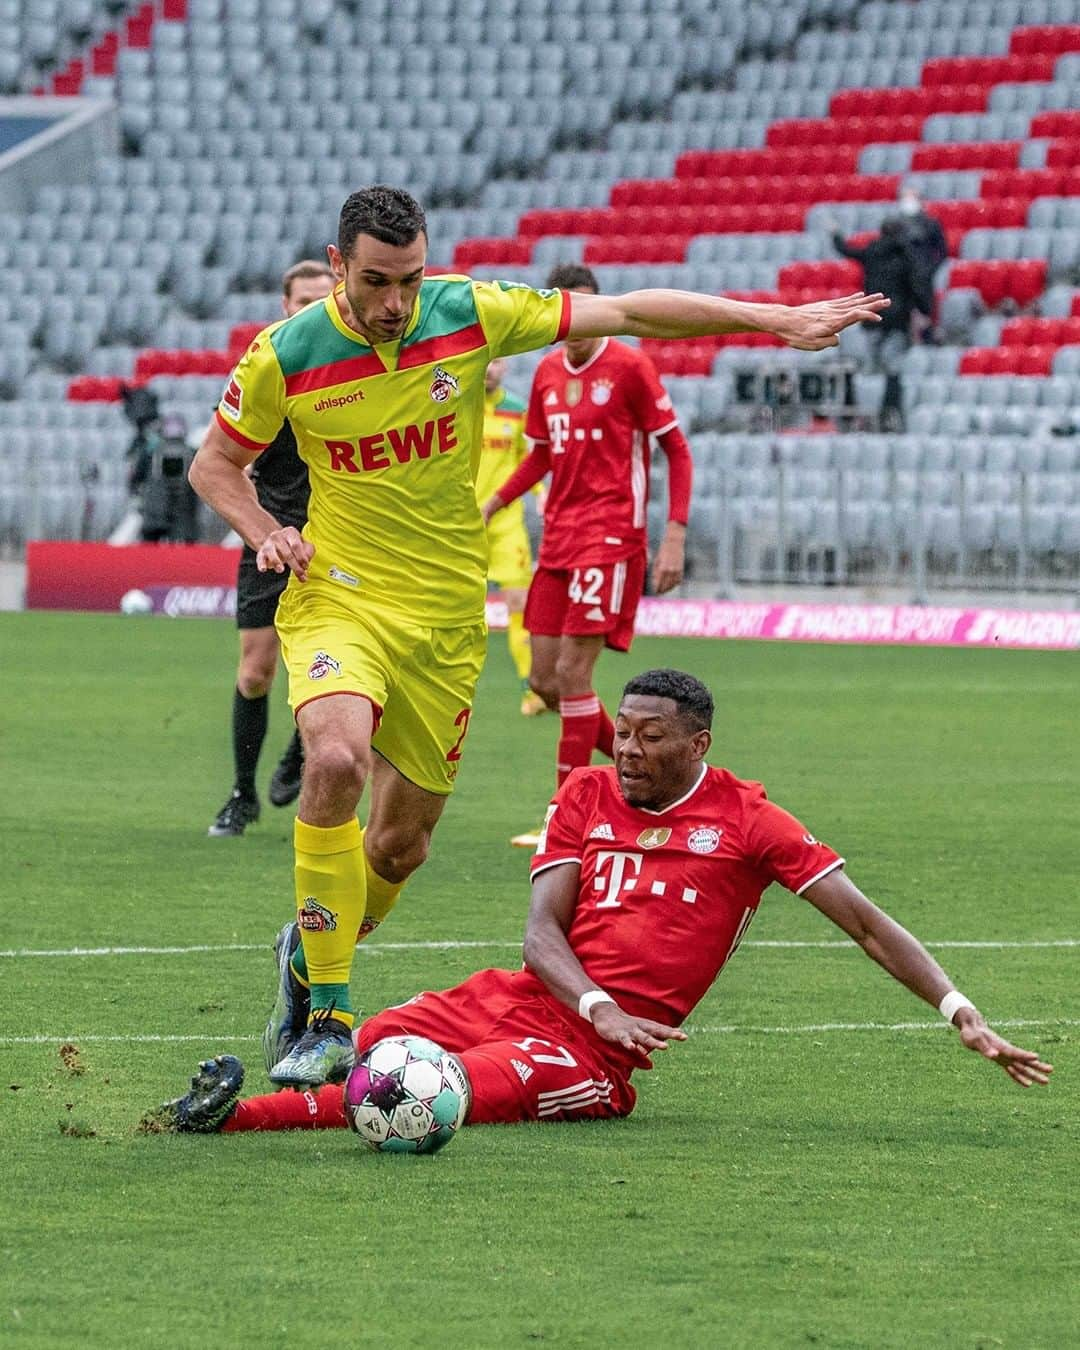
<point x="257" y="593"/>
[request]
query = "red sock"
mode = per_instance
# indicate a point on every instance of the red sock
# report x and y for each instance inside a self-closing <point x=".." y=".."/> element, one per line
<point x="321" y="1110"/>
<point x="580" y="715"/>
<point x="605" y="734"/>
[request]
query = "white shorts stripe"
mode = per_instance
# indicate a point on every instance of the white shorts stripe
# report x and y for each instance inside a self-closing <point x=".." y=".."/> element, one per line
<point x="574" y="1087"/>
<point x="618" y="585"/>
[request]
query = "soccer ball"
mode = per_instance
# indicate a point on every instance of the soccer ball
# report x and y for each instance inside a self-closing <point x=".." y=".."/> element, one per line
<point x="136" y="602"/>
<point x="406" y="1095"/>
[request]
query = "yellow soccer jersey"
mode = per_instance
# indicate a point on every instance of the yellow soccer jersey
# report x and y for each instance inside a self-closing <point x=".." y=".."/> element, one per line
<point x="391" y="436"/>
<point x="502" y="451"/>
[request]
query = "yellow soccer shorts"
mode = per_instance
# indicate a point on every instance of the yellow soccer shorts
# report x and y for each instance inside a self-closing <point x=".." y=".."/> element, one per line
<point x="420" y="680"/>
<point x="510" y="558"/>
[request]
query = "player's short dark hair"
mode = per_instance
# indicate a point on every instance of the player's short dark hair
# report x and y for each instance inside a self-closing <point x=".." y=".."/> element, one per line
<point x="389" y="214"/>
<point x="693" y="698"/>
<point x="572" y="277"/>
<point x="301" y="271"/>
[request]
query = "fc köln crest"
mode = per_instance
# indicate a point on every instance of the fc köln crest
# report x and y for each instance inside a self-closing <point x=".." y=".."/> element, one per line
<point x="572" y="393"/>
<point x="323" y="664"/>
<point x="443" y="384"/>
<point x="653" y="838"/>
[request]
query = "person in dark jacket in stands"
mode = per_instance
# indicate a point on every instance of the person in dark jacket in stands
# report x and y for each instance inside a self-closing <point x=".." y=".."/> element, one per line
<point x="889" y="265"/>
<point x="929" y="250"/>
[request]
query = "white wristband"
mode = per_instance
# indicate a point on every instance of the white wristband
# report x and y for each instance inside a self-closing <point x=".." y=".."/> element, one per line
<point x="951" y="1004"/>
<point x="589" y="1000"/>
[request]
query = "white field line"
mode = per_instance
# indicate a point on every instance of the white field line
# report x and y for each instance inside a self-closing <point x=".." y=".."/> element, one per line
<point x="377" y="948"/>
<point x="812" y="1028"/>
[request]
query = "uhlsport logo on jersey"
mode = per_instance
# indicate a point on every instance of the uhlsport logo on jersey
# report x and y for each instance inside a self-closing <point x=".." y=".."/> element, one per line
<point x="704" y="839"/>
<point x="316" y="918"/>
<point x="322" y="665"/>
<point x="443" y="384"/>
<point x="600" y="392"/>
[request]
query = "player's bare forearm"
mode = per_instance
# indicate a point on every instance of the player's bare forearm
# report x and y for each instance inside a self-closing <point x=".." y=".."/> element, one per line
<point x="224" y="485"/>
<point x="907" y="960"/>
<point x="881" y="938"/>
<point x="676" y="314"/>
<point x="546" y="950"/>
<point x="670" y="558"/>
<point x="219" y="475"/>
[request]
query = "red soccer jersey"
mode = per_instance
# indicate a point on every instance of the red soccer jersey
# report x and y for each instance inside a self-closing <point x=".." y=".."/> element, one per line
<point x="596" y="420"/>
<point x="665" y="897"/>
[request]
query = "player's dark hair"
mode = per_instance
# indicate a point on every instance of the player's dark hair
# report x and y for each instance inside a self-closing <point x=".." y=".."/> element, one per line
<point x="302" y="271"/>
<point x="693" y="698"/>
<point x="388" y="214"/>
<point x="572" y="277"/>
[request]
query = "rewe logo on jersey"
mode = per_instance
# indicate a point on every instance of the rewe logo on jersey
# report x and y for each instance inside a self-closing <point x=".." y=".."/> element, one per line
<point x="399" y="444"/>
<point x="603" y="832"/>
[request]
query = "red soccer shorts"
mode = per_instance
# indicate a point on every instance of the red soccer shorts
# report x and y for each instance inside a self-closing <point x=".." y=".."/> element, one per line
<point x="599" y="598"/>
<point x="519" y="1047"/>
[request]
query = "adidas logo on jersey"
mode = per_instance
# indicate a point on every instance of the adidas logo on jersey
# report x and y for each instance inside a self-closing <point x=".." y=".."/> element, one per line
<point x="524" y="1072"/>
<point x="595" y="615"/>
<point x="603" y="832"/>
<point x="552" y="397"/>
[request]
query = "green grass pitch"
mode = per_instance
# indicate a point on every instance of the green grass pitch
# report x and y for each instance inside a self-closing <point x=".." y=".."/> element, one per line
<point x="791" y="1185"/>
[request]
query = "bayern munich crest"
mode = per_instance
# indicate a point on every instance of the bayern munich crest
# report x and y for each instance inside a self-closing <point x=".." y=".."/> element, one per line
<point x="704" y="839"/>
<point x="600" y="392"/>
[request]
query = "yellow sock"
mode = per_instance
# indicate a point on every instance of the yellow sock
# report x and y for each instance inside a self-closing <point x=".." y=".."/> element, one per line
<point x="382" y="896"/>
<point x="331" y="885"/>
<point x="518" y="642"/>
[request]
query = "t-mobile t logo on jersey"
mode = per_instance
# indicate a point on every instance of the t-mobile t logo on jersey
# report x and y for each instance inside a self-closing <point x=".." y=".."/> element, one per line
<point x="625" y="869"/>
<point x="558" y="431"/>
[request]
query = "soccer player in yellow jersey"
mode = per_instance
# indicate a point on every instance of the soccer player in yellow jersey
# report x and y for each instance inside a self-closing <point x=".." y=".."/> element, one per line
<point x="382" y="622"/>
<point x="510" y="557"/>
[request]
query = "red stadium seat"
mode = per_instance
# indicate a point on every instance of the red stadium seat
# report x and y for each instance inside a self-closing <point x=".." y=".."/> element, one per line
<point x="1027" y="280"/>
<point x="1058" y="122"/>
<point x="241" y="335"/>
<point x="1049" y="39"/>
<point x="1063" y="154"/>
<point x="987" y="70"/>
<point x="978" y="155"/>
<point x="1026" y="184"/>
<point x="492" y="252"/>
<point x="1035" y="360"/>
<point x="97" y="388"/>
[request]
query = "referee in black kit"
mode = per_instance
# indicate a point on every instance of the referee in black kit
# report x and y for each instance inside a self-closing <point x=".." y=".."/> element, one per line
<point x="281" y="484"/>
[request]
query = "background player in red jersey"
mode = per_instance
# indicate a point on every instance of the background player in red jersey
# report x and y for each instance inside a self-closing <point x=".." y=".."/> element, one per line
<point x="594" y="405"/>
<point x="646" y="879"/>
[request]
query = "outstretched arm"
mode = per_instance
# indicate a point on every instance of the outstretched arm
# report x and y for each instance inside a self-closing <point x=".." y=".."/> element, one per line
<point x="678" y="314"/>
<point x="907" y="960"/>
<point x="549" y="956"/>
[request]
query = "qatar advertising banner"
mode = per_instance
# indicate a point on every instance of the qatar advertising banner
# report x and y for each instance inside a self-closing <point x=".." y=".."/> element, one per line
<point x="175" y="579"/>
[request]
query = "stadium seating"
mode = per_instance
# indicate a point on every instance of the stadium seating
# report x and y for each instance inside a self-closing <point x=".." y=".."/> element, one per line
<point x="706" y="146"/>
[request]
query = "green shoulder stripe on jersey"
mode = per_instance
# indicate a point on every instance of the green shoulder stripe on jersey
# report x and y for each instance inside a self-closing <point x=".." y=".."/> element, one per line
<point x="447" y="305"/>
<point x="510" y="403"/>
<point x="309" y="339"/>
